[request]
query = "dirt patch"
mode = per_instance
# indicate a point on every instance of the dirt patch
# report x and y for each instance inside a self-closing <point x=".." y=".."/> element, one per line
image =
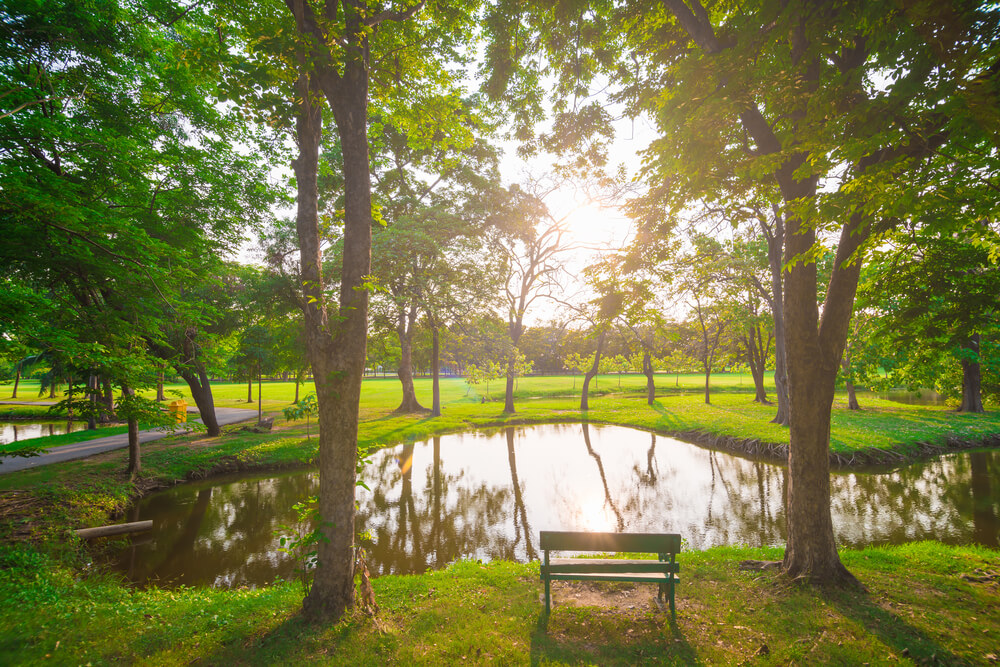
<point x="621" y="597"/>
<point x="17" y="509"/>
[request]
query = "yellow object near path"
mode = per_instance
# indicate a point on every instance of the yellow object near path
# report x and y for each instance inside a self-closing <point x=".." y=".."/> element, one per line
<point x="178" y="409"/>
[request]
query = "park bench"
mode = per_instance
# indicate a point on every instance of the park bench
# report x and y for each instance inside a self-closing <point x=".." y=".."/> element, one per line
<point x="662" y="571"/>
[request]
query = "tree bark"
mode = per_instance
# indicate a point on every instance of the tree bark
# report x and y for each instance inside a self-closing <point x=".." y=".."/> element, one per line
<point x="108" y="415"/>
<point x="405" y="321"/>
<point x="584" y="404"/>
<point x="134" y="462"/>
<point x="708" y="350"/>
<point x="335" y="345"/>
<point x="192" y="371"/>
<point x="647" y="370"/>
<point x="160" y="396"/>
<point x="852" y="397"/>
<point x="201" y="391"/>
<point x="813" y="355"/>
<point x="972" y="398"/>
<point x="69" y="404"/>
<point x="17" y="381"/>
<point x="775" y="242"/>
<point x="753" y="340"/>
<point x="435" y="371"/>
<point x="249" y="387"/>
<point x="92" y="399"/>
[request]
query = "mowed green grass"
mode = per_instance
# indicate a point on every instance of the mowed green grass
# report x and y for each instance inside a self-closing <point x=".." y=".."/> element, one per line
<point x="924" y="603"/>
<point x="679" y="408"/>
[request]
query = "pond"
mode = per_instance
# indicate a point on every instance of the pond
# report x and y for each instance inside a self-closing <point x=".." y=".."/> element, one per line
<point x="916" y="397"/>
<point x="16" y="431"/>
<point x="486" y="495"/>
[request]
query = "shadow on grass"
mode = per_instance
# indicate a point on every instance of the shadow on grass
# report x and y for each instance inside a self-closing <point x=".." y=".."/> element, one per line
<point x="294" y="640"/>
<point x="388" y="435"/>
<point x="590" y="642"/>
<point x="667" y="417"/>
<point x="892" y="630"/>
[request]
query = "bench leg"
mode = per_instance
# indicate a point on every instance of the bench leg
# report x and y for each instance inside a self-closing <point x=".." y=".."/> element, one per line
<point x="548" y="596"/>
<point x="673" y="610"/>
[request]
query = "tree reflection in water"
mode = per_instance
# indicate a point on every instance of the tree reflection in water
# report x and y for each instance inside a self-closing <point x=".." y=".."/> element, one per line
<point x="484" y="495"/>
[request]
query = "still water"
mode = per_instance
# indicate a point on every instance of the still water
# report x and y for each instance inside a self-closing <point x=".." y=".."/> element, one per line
<point x="16" y="431"/>
<point x="486" y="495"/>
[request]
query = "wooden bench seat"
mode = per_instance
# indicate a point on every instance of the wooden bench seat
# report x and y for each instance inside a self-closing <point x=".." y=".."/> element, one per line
<point x="663" y="571"/>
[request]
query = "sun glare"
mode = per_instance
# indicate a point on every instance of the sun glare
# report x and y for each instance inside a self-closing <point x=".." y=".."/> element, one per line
<point x="593" y="229"/>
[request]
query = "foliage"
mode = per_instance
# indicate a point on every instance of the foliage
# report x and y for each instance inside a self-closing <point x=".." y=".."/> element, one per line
<point x="305" y="408"/>
<point x="475" y="375"/>
<point x="300" y="540"/>
<point x="928" y="294"/>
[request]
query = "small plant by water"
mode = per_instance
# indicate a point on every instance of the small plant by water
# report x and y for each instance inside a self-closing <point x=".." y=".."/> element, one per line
<point x="301" y="543"/>
<point x="307" y="407"/>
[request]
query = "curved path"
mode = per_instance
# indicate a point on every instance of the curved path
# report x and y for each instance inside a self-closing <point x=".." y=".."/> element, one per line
<point x="87" y="448"/>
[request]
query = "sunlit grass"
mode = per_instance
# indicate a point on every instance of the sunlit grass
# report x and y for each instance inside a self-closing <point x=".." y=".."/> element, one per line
<point x="679" y="408"/>
<point x="924" y="602"/>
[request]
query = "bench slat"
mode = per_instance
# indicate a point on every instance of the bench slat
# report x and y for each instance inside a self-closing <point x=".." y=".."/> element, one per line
<point x="625" y="576"/>
<point x="553" y="540"/>
<point x="589" y="565"/>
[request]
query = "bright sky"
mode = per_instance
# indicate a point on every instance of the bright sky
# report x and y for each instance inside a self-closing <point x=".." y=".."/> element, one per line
<point x="593" y="227"/>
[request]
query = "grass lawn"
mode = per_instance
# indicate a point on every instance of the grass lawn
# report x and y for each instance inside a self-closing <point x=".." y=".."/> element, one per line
<point x="680" y="408"/>
<point x="925" y="603"/>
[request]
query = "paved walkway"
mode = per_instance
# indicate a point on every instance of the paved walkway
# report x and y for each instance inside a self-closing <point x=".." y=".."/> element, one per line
<point x="87" y="448"/>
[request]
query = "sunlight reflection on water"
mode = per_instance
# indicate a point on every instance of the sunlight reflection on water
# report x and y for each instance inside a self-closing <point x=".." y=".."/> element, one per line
<point x="485" y="495"/>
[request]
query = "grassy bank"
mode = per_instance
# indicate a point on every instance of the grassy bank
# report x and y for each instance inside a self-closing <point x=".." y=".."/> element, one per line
<point x="925" y="604"/>
<point x="43" y="501"/>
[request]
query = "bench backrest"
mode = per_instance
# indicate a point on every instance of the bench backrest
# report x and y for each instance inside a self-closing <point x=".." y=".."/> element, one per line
<point x="551" y="540"/>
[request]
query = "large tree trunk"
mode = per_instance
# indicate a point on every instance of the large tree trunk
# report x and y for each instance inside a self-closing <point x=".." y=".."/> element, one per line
<point x="336" y="346"/>
<point x="707" y="365"/>
<point x="775" y="243"/>
<point x="584" y="405"/>
<point x="69" y="404"/>
<point x="852" y="396"/>
<point x="201" y="391"/>
<point x="160" y="396"/>
<point x="508" y="396"/>
<point x="972" y="398"/>
<point x="92" y="399"/>
<point x="814" y="350"/>
<point x="756" y="356"/>
<point x="515" y="327"/>
<point x="192" y="371"/>
<point x="405" y="321"/>
<point x="108" y="414"/>
<point x="647" y="370"/>
<point x="435" y="372"/>
<point x="17" y="381"/>
<point x="134" y="462"/>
